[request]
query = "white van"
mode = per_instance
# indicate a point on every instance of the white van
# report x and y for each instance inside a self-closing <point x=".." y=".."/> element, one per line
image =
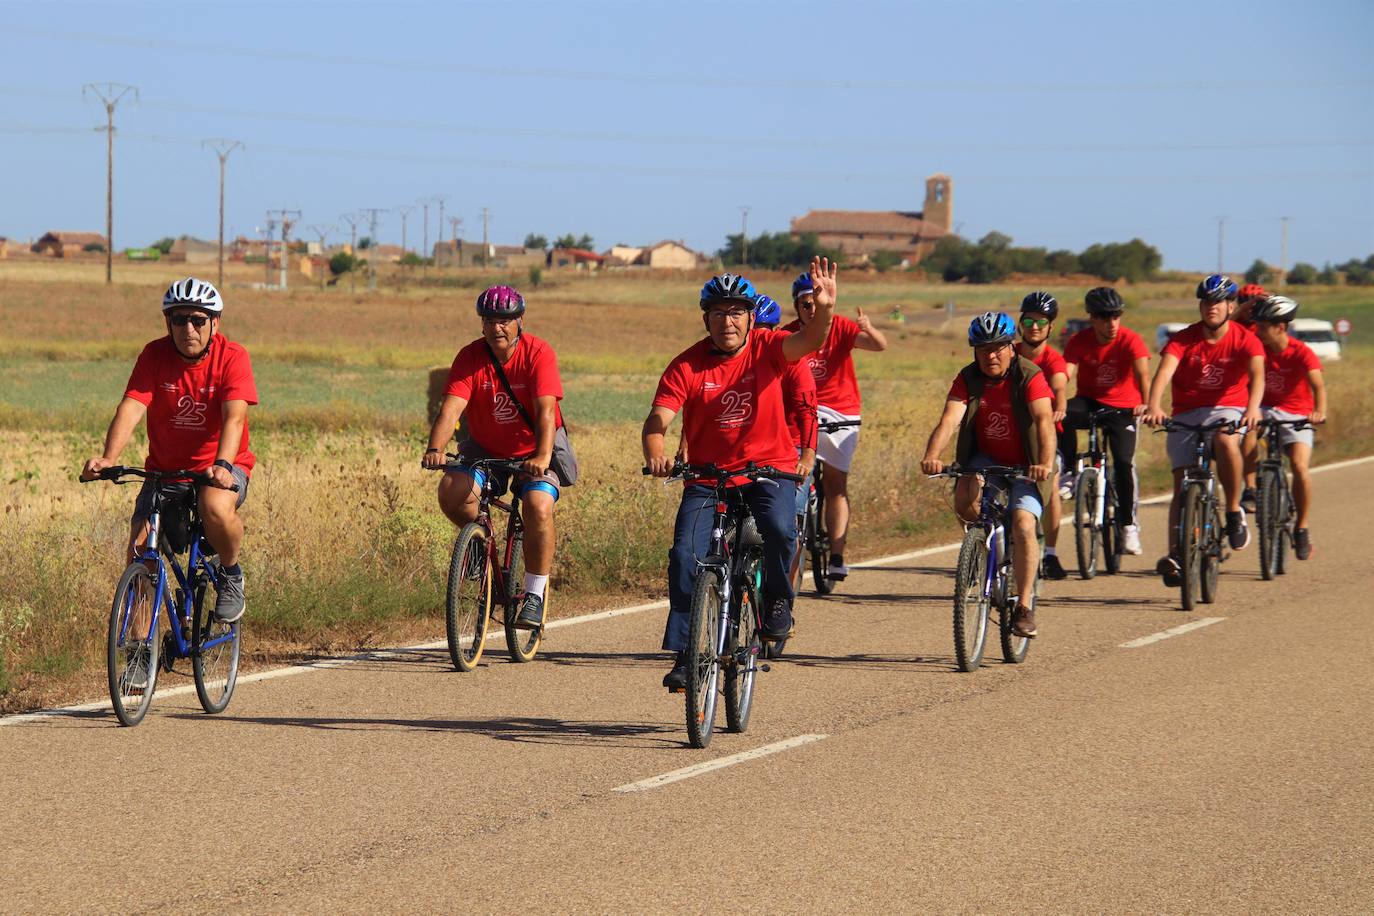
<point x="1319" y="335"/>
<point x="1165" y="333"/>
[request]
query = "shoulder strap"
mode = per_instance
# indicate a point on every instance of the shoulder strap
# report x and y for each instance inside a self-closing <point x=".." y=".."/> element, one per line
<point x="505" y="383"/>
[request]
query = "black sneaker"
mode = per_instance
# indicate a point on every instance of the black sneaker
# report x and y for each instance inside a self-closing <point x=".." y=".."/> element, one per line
<point x="531" y="616"/>
<point x="1247" y="499"/>
<point x="1237" y="532"/>
<point x="676" y="679"/>
<point x="1302" y="544"/>
<point x="1051" y="568"/>
<point x="1172" y="572"/>
<point x="777" y="623"/>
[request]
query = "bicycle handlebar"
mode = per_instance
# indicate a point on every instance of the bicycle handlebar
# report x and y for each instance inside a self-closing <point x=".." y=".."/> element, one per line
<point x="115" y="472"/>
<point x="1229" y="426"/>
<point x="496" y="464"/>
<point x="830" y="426"/>
<point x="1019" y="472"/>
<point x="684" y="471"/>
<point x="1300" y="423"/>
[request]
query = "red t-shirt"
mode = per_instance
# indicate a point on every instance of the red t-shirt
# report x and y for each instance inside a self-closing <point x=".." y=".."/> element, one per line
<point x="832" y="366"/>
<point x="1050" y="362"/>
<point x="994" y="426"/>
<point x="494" y="422"/>
<point x="799" y="394"/>
<point x="1286" y="386"/>
<point x="1212" y="374"/>
<point x="1106" y="371"/>
<point x="733" y="410"/>
<point x="185" y="402"/>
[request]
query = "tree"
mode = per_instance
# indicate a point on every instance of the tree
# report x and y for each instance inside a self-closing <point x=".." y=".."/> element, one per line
<point x="1357" y="272"/>
<point x="1061" y="262"/>
<point x="365" y="242"/>
<point x="775" y="250"/>
<point x="1260" y="272"/>
<point x="1302" y="274"/>
<point x="1133" y="260"/>
<point x="164" y="244"/>
<point x="342" y="262"/>
<point x="93" y="246"/>
<point x="536" y="241"/>
<point x="995" y="241"/>
<point x="885" y="260"/>
<point x="1329" y="275"/>
<point x="568" y="240"/>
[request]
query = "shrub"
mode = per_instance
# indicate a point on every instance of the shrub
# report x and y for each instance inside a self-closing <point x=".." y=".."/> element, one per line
<point x="1302" y="274"/>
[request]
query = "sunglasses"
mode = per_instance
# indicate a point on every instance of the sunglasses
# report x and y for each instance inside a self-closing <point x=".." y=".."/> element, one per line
<point x="1029" y="322"/>
<point x="182" y="321"/>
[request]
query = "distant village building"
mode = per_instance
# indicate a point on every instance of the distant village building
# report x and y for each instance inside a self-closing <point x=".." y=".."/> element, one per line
<point x="186" y="250"/>
<point x="860" y="234"/>
<point x="461" y="253"/>
<point x="575" y="258"/>
<point x="665" y="255"/>
<point x="67" y="244"/>
<point x="4" y="247"/>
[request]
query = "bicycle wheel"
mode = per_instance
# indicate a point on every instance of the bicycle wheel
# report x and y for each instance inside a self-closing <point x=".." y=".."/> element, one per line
<point x="128" y="659"/>
<point x="468" y="600"/>
<point x="819" y="541"/>
<point x="523" y="644"/>
<point x="1084" y="510"/>
<point x="1211" y="556"/>
<point x="1111" y="534"/>
<point x="1286" y="518"/>
<point x="970" y="604"/>
<point x="703" y="667"/>
<point x="214" y="655"/>
<point x="1014" y="648"/>
<point x="1191" y="544"/>
<point x="1268" y="505"/>
<point x="742" y="669"/>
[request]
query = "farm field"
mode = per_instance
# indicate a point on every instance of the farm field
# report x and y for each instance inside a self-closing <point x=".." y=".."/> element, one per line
<point x="345" y="548"/>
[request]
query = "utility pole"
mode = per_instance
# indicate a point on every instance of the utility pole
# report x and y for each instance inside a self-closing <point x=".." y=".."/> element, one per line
<point x="1221" y="244"/>
<point x="286" y="223"/>
<point x="439" y="226"/>
<point x="222" y="149"/>
<point x="109" y="94"/>
<point x="744" y="233"/>
<point x="372" y="234"/>
<point x="322" y="231"/>
<point x="405" y="210"/>
<point x="352" y="220"/>
<point x="486" y="215"/>
<point x="267" y="250"/>
<point x="1283" y="255"/>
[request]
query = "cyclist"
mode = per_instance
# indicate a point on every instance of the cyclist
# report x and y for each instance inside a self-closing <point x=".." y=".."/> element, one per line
<point x="1250" y="295"/>
<point x="1111" y="365"/>
<point x="837" y="397"/>
<point x="195" y="386"/>
<point x="1038" y="312"/>
<point x="1215" y="369"/>
<point x="728" y="387"/>
<point x="1000" y="406"/>
<point x="506" y="383"/>
<point x="1293" y="388"/>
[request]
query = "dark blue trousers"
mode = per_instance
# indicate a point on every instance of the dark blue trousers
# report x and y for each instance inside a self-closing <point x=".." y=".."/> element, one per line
<point x="773" y="504"/>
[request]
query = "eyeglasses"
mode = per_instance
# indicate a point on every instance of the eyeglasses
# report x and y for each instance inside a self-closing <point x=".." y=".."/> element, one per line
<point x="488" y="319"/>
<point x="182" y="321"/>
<point x="734" y="315"/>
<point x="1030" y="321"/>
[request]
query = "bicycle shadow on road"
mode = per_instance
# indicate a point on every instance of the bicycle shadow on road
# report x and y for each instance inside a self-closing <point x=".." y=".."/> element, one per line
<point x="867" y="661"/>
<point x="608" y="659"/>
<point x="521" y="729"/>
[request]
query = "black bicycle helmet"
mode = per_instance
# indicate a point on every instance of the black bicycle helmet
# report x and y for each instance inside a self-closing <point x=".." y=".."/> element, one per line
<point x="1040" y="303"/>
<point x="1104" y="301"/>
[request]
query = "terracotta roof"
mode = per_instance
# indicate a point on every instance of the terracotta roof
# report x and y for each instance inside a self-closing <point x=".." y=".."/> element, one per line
<point x="878" y="222"/>
<point x="77" y="238"/>
<point x="579" y="254"/>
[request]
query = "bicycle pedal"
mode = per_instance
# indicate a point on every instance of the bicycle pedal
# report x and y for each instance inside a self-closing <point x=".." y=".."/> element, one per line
<point x="765" y="667"/>
<point x="677" y="689"/>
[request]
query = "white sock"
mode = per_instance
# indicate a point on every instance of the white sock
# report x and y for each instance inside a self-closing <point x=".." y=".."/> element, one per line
<point x="535" y="585"/>
<point x="1049" y="551"/>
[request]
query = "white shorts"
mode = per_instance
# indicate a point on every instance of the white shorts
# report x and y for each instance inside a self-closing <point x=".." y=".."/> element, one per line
<point x="837" y="448"/>
<point x="1287" y="434"/>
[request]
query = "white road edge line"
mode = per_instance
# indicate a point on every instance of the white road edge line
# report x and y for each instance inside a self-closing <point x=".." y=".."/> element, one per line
<point x="324" y="664"/>
<point x="1171" y="632"/>
<point x="654" y="782"/>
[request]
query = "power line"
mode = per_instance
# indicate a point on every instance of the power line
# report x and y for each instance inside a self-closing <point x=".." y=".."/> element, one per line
<point x="109" y="94"/>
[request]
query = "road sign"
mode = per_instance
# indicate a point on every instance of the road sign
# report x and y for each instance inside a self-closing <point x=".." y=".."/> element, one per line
<point x="1343" y="326"/>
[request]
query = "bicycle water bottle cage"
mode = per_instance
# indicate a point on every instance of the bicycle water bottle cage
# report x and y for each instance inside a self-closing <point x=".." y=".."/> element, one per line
<point x="749" y="536"/>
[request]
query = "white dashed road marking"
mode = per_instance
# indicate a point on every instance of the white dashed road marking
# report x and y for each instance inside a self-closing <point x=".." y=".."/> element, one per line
<point x="697" y="769"/>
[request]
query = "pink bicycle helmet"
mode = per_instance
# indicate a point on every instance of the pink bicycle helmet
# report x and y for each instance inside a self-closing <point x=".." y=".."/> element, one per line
<point x="500" y="302"/>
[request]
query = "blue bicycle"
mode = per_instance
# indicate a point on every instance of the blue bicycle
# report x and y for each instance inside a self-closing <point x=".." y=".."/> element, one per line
<point x="134" y="652"/>
<point x="984" y="580"/>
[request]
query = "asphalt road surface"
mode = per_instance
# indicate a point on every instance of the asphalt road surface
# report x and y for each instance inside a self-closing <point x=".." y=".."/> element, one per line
<point x="1227" y="768"/>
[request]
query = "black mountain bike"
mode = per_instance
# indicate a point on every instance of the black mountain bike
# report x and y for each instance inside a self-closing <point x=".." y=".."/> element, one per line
<point x="815" y="539"/>
<point x="1094" y="508"/>
<point x="1200" y="550"/>
<point x="1274" y="509"/>
<point x="724" y="637"/>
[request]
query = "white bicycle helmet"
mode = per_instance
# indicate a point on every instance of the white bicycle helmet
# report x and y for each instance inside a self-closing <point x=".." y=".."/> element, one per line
<point x="192" y="292"/>
<point x="1275" y="308"/>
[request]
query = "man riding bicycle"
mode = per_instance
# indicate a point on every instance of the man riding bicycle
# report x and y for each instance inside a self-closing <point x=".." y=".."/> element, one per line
<point x="1110" y="364"/>
<point x="729" y="388"/>
<point x="837" y="397"/>
<point x="1000" y="405"/>
<point x="1293" y="389"/>
<point x="1215" y="369"/>
<point x="195" y="388"/>
<point x="1038" y="312"/>
<point x="510" y="381"/>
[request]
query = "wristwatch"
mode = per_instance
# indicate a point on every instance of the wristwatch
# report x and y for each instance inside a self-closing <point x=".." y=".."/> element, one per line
<point x="221" y="463"/>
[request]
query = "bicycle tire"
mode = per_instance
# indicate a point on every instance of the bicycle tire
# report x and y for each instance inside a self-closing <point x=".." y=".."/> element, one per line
<point x="818" y="540"/>
<point x="467" y="600"/>
<point x="741" y="674"/>
<point x="1014" y="648"/>
<point x="1190" y="545"/>
<point x="522" y="644"/>
<point x="216" y="670"/>
<point x="970" y="604"/>
<point x="1111" y="532"/>
<point x="1211" y="557"/>
<point x="703" y="668"/>
<point x="131" y="704"/>
<point x="1287" y="517"/>
<point x="1084" y="537"/>
<point x="1267" y="507"/>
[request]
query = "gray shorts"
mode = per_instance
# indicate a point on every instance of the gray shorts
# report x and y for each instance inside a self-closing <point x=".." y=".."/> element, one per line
<point x="143" y="505"/>
<point x="1182" y="444"/>
<point x="1287" y="434"/>
<point x="1024" y="495"/>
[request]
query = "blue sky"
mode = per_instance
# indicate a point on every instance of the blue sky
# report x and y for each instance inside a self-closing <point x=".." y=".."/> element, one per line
<point x="1062" y="123"/>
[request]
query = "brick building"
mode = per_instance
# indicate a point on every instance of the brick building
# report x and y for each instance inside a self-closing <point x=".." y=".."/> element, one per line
<point x="860" y="234"/>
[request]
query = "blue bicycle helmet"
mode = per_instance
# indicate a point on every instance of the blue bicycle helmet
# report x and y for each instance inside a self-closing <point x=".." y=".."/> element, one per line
<point x="1217" y="288"/>
<point x="1040" y="303"/>
<point x="991" y="328"/>
<point x="802" y="285"/>
<point x="727" y="288"/>
<point x="767" y="312"/>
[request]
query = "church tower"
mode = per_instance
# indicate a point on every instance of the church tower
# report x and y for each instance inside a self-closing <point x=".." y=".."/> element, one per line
<point x="939" y="202"/>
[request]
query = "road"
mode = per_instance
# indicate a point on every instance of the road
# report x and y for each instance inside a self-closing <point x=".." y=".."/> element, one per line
<point x="1227" y="768"/>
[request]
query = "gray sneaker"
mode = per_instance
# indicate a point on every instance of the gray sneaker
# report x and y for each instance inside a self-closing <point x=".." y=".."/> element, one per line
<point x="136" y="670"/>
<point x="229" y="601"/>
<point x="531" y="616"/>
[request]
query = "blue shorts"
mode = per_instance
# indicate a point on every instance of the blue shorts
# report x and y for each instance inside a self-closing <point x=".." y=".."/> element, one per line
<point x="1024" y="495"/>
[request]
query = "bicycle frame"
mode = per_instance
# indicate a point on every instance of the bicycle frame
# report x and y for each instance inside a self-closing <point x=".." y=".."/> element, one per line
<point x="1096" y="456"/>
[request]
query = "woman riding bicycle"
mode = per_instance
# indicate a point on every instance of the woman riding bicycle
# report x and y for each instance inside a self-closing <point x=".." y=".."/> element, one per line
<point x="1000" y="405"/>
<point x="1038" y="312"/>
<point x="729" y="388"/>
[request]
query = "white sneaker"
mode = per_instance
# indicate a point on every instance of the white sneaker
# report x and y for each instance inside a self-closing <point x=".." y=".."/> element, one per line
<point x="837" y="573"/>
<point x="1130" y="540"/>
<point x="1067" y="481"/>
